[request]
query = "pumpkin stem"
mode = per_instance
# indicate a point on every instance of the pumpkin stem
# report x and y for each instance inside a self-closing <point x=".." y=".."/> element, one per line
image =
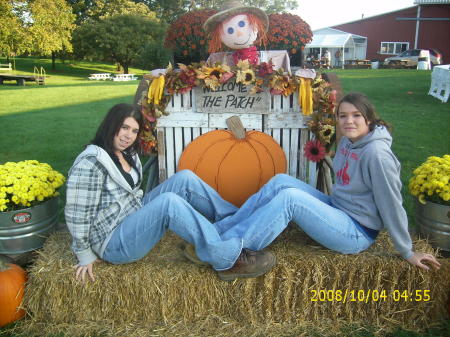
<point x="235" y="125"/>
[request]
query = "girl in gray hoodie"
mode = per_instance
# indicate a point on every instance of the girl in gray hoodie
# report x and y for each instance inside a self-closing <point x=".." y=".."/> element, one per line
<point x="365" y="197"/>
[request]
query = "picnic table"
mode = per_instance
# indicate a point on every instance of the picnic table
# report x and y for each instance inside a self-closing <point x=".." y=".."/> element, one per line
<point x="397" y="64"/>
<point x="100" y="76"/>
<point x="313" y="64"/>
<point x="357" y="64"/>
<point x="124" y="77"/>
<point x="20" y="79"/>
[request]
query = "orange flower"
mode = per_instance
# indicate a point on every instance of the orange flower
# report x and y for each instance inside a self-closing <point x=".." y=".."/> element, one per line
<point x="187" y="30"/>
<point x="287" y="31"/>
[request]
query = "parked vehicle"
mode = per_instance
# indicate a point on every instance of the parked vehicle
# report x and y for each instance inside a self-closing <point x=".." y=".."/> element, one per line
<point x="409" y="58"/>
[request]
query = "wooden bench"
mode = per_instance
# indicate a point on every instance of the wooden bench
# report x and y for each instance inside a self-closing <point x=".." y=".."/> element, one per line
<point x="124" y="77"/>
<point x="5" y="66"/>
<point x="100" y="76"/>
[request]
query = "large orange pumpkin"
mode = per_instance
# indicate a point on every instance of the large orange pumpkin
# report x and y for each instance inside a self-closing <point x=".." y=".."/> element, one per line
<point x="12" y="285"/>
<point x="235" y="163"/>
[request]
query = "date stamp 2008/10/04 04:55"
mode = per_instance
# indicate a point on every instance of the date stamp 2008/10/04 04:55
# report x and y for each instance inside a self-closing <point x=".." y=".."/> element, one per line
<point x="372" y="295"/>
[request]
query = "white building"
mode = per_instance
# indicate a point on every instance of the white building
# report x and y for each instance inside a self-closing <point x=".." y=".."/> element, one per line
<point x="342" y="45"/>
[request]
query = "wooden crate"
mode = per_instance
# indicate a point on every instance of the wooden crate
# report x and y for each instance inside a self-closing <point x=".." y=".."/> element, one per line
<point x="283" y="120"/>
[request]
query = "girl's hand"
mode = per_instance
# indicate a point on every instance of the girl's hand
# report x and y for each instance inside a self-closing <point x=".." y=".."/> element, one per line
<point x="418" y="258"/>
<point x="80" y="273"/>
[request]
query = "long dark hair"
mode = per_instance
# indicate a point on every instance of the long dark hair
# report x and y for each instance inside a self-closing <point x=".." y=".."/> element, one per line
<point x="362" y="103"/>
<point x="111" y="125"/>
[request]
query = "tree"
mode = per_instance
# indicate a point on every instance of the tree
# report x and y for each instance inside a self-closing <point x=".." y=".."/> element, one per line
<point x="269" y="6"/>
<point x="13" y="35"/>
<point x="119" y="38"/>
<point x="170" y="10"/>
<point x="273" y="6"/>
<point x="153" y="56"/>
<point x="52" y="23"/>
<point x="39" y="26"/>
<point x="105" y="8"/>
<point x="79" y="9"/>
<point x="95" y="10"/>
<point x="167" y="10"/>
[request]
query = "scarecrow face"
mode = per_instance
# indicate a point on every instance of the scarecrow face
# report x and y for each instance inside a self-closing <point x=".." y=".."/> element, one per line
<point x="237" y="33"/>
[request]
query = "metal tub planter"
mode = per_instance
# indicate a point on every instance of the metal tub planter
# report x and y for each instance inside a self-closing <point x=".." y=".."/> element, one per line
<point x="27" y="229"/>
<point x="434" y="223"/>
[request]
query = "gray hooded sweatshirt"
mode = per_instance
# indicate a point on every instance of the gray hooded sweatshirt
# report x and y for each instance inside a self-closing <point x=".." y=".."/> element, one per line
<point x="368" y="186"/>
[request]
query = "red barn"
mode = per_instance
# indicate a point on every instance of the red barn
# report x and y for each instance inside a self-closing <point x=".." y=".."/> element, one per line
<point x="424" y="26"/>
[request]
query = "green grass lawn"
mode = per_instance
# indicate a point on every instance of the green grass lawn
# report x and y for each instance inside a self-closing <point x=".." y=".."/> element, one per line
<point x="52" y="123"/>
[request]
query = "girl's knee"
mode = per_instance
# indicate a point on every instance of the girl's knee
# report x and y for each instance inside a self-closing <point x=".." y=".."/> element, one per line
<point x="279" y="179"/>
<point x="290" y="193"/>
<point x="185" y="174"/>
<point x="166" y="198"/>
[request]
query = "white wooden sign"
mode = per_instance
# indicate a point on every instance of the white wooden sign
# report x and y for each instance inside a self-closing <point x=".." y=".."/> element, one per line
<point x="232" y="97"/>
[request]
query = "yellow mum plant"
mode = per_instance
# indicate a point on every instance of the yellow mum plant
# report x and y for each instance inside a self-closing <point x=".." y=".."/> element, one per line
<point x="27" y="183"/>
<point x="430" y="181"/>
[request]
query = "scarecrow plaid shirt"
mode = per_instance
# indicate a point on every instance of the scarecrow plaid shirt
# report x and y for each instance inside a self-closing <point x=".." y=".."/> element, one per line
<point x="96" y="204"/>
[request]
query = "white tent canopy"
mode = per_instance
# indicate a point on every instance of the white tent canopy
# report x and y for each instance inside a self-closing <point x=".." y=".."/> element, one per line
<point x="342" y="45"/>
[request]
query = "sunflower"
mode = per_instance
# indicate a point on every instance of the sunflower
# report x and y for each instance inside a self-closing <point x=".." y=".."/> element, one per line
<point x="282" y="85"/>
<point x="205" y="72"/>
<point x="212" y="82"/>
<point x="314" y="150"/>
<point x="245" y="77"/>
<point x="326" y="132"/>
<point x="210" y="76"/>
<point x="243" y="65"/>
<point x="213" y="75"/>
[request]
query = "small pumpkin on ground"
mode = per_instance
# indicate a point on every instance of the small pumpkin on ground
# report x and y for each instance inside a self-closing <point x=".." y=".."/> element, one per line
<point x="12" y="285"/>
<point x="234" y="162"/>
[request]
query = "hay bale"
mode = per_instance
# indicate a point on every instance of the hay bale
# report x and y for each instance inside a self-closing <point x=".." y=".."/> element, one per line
<point x="165" y="294"/>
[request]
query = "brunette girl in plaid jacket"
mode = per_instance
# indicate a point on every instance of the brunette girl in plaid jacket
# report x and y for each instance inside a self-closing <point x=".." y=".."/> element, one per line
<point x="110" y="219"/>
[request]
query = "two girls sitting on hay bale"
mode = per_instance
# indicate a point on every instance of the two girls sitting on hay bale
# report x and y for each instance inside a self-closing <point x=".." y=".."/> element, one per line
<point x="110" y="219"/>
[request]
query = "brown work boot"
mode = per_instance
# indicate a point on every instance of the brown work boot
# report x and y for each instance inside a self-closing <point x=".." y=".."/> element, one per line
<point x="249" y="264"/>
<point x="191" y="255"/>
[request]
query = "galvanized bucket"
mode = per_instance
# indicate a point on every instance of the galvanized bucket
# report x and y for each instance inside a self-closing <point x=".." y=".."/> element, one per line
<point x="434" y="223"/>
<point x="27" y="229"/>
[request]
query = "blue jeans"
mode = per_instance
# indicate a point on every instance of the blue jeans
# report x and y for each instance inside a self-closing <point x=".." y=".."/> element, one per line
<point x="219" y="230"/>
<point x="283" y="199"/>
<point x="187" y="206"/>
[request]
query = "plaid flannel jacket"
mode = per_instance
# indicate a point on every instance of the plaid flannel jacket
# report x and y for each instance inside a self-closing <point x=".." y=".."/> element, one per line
<point x="98" y="199"/>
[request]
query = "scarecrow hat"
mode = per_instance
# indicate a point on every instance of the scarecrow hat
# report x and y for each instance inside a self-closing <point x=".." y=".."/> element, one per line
<point x="231" y="8"/>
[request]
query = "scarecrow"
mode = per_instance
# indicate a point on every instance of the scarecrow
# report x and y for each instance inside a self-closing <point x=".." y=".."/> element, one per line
<point x="239" y="28"/>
